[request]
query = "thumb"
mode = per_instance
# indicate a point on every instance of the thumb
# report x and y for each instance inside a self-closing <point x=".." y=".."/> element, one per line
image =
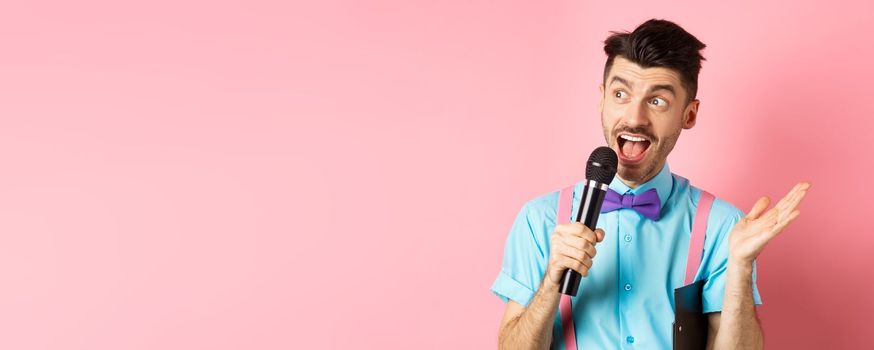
<point x="758" y="208"/>
<point x="599" y="234"/>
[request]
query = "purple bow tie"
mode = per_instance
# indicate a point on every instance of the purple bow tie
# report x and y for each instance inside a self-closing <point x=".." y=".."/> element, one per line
<point x="646" y="203"/>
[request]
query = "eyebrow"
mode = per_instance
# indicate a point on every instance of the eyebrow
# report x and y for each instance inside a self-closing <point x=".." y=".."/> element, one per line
<point x="654" y="88"/>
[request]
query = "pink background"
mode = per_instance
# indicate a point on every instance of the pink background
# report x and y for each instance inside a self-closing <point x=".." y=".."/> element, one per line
<point x="343" y="174"/>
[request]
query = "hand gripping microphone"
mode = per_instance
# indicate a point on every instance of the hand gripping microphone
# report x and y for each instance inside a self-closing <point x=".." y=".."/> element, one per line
<point x="600" y="170"/>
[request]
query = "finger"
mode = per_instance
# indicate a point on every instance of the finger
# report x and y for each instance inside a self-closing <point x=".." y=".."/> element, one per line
<point x="800" y="191"/>
<point x="579" y="243"/>
<point x="582" y="269"/>
<point x="792" y="205"/>
<point x="782" y="202"/>
<point x="778" y="228"/>
<point x="575" y="265"/>
<point x="758" y="208"/>
<point x="581" y="255"/>
<point x="572" y="228"/>
<point x="585" y="261"/>
<point x="793" y="202"/>
<point x="578" y="230"/>
<point x="566" y="228"/>
<point x="787" y="201"/>
<point x="599" y="235"/>
<point x="573" y="241"/>
<point x="769" y="217"/>
<point x="572" y="253"/>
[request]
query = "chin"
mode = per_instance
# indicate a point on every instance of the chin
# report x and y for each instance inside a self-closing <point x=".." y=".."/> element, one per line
<point x="635" y="172"/>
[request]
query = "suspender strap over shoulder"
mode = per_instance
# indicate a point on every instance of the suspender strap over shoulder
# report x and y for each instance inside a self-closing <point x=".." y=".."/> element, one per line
<point x="699" y="230"/>
<point x="565" y="309"/>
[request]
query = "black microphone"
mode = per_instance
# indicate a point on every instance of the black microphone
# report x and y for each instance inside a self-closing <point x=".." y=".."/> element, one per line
<point x="600" y="170"/>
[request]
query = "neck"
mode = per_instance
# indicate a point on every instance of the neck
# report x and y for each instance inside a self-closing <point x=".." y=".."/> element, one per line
<point x="632" y="184"/>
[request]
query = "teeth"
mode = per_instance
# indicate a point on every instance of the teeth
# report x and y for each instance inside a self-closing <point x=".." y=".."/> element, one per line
<point x="632" y="138"/>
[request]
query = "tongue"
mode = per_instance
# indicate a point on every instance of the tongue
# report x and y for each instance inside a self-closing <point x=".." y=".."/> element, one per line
<point x="633" y="149"/>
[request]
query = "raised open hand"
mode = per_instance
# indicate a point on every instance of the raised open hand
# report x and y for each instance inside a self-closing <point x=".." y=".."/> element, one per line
<point x="754" y="231"/>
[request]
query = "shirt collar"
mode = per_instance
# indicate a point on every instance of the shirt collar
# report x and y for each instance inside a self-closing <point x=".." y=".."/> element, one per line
<point x="663" y="183"/>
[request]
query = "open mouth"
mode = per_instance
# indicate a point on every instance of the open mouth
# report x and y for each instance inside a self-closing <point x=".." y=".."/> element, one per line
<point x="632" y="148"/>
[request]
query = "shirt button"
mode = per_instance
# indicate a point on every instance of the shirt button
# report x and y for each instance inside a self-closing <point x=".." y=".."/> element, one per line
<point x="627" y="286"/>
<point x="628" y="238"/>
<point x="630" y="339"/>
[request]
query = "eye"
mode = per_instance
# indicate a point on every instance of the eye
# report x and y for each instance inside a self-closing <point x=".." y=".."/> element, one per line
<point x="619" y="94"/>
<point x="659" y="102"/>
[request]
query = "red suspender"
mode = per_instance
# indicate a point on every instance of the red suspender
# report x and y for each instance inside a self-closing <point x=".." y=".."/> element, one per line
<point x="565" y="309"/>
<point x="699" y="230"/>
<point x="696" y="249"/>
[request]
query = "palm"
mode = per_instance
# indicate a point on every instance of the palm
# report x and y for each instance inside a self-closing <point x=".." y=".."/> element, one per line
<point x="753" y="232"/>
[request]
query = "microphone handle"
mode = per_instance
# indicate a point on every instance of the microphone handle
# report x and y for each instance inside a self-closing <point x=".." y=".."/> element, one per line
<point x="589" y="210"/>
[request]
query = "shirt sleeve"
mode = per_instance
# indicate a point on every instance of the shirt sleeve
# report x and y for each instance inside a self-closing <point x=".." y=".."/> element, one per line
<point x="723" y="217"/>
<point x="524" y="260"/>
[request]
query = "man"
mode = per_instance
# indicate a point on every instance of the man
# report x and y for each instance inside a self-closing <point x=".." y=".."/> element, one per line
<point x="625" y="298"/>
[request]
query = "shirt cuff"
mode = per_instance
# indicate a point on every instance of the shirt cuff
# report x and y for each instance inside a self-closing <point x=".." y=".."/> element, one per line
<point x="505" y="287"/>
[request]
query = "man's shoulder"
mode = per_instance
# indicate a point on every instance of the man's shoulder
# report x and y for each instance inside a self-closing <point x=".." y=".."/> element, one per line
<point x="722" y="211"/>
<point x="542" y="204"/>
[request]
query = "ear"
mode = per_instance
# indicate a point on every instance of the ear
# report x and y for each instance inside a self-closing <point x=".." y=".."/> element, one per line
<point x="601" y="103"/>
<point x="690" y="115"/>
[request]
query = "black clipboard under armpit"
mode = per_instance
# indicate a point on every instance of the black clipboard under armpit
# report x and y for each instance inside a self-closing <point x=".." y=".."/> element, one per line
<point x="690" y="323"/>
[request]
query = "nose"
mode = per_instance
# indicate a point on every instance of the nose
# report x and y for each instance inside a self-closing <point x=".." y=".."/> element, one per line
<point x="636" y="115"/>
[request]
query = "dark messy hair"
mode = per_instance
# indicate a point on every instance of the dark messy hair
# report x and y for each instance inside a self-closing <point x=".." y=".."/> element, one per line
<point x="659" y="43"/>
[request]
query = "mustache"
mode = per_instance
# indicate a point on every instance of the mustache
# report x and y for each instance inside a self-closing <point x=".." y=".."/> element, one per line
<point x="638" y="130"/>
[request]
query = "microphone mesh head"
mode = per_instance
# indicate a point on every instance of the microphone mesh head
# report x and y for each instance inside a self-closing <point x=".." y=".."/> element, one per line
<point x="601" y="166"/>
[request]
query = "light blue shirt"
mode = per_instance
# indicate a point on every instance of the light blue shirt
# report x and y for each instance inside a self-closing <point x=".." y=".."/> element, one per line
<point x="627" y="301"/>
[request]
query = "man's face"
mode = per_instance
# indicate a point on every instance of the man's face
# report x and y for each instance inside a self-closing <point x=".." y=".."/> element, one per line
<point x="643" y="111"/>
